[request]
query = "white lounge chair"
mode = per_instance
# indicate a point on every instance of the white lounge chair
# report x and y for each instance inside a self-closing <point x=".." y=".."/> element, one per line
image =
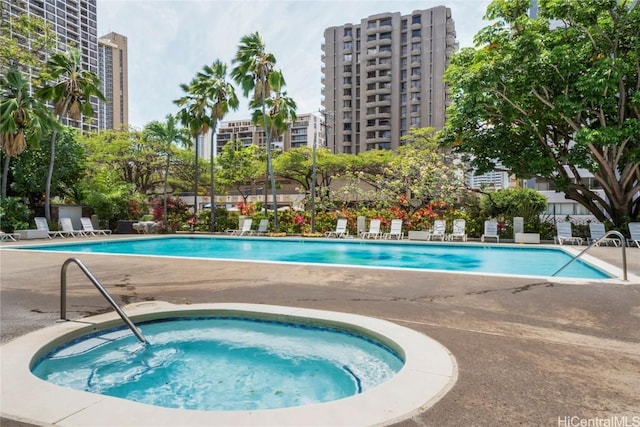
<point x="246" y="228"/>
<point x="564" y="234"/>
<point x="490" y="231"/>
<point x="87" y="227"/>
<point x="395" y="232"/>
<point x="9" y="236"/>
<point x="67" y="227"/>
<point x="42" y="224"/>
<point x="374" y="230"/>
<point x="458" y="231"/>
<point x="263" y="227"/>
<point x="341" y="229"/>
<point x="634" y="232"/>
<point x="597" y="230"/>
<point x="439" y="230"/>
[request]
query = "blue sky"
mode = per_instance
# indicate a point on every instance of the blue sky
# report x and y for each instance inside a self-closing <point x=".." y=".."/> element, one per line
<point x="171" y="40"/>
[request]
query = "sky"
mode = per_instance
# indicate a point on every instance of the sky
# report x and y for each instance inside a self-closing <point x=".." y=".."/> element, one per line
<point x="169" y="41"/>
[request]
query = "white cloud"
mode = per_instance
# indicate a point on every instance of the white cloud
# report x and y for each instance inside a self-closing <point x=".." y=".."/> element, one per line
<point x="169" y="41"/>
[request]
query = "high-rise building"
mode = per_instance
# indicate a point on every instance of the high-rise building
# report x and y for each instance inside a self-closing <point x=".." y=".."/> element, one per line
<point x="383" y="76"/>
<point x="308" y="129"/>
<point x="75" y="24"/>
<point x="113" y="73"/>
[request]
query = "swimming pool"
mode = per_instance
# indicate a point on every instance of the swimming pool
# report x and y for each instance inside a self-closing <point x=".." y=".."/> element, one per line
<point x="472" y="258"/>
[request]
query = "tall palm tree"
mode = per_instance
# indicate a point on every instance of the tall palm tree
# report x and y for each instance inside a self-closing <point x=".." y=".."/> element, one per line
<point x="24" y="119"/>
<point x="212" y="83"/>
<point x="195" y="116"/>
<point x="71" y="95"/>
<point x="254" y="71"/>
<point x="169" y="133"/>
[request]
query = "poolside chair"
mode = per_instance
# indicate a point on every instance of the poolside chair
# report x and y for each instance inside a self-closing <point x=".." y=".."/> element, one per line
<point x="634" y="232"/>
<point x="9" y="236"/>
<point x="374" y="230"/>
<point x="87" y="227"/>
<point x="439" y="230"/>
<point x="246" y="228"/>
<point x="341" y="229"/>
<point x="42" y="224"/>
<point x="67" y="227"/>
<point x="263" y="227"/>
<point x="458" y="231"/>
<point x="564" y="234"/>
<point x="395" y="232"/>
<point x="490" y="230"/>
<point x="597" y="230"/>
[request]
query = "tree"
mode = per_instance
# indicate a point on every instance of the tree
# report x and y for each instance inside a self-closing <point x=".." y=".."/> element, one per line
<point x="211" y="81"/>
<point x="166" y="133"/>
<point x="71" y="94"/>
<point x="549" y="100"/>
<point x="254" y="71"/>
<point x="13" y="53"/>
<point x="24" y="119"/>
<point x="195" y="115"/>
<point x="240" y="166"/>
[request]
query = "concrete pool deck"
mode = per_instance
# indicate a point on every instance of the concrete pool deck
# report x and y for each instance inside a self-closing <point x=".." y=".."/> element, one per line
<point x="529" y="352"/>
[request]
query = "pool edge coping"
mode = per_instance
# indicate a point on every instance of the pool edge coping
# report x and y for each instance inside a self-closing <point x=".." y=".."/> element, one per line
<point x="430" y="371"/>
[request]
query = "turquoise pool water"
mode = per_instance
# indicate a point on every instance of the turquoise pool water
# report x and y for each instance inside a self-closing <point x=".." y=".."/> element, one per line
<point x="491" y="259"/>
<point x="222" y="363"/>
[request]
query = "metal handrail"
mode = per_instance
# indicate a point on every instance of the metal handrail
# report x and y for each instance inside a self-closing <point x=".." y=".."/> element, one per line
<point x="624" y="252"/>
<point x="103" y="291"/>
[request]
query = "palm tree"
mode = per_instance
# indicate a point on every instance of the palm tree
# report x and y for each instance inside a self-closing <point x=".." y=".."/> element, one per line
<point x="71" y="96"/>
<point x="168" y="133"/>
<point x="24" y="119"/>
<point x="254" y="71"/>
<point x="211" y="82"/>
<point x="195" y="116"/>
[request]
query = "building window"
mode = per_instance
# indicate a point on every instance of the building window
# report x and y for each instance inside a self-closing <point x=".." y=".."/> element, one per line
<point x="416" y="46"/>
<point x="403" y="37"/>
<point x="371" y="74"/>
<point x="347" y="45"/>
<point x="347" y="57"/>
<point x="415" y="83"/>
<point x="385" y="36"/>
<point x="371" y="24"/>
<point x="415" y="71"/>
<point x="415" y="59"/>
<point x="371" y="122"/>
<point x="346" y="80"/>
<point x="385" y="21"/>
<point x="415" y="121"/>
<point x="348" y="32"/>
<point x="415" y="108"/>
<point x="415" y="33"/>
<point x="347" y="92"/>
<point x="347" y="126"/>
<point x="371" y="98"/>
<point x="346" y="103"/>
<point x="415" y="19"/>
<point x="371" y="86"/>
<point x="371" y="38"/>
<point x="346" y="115"/>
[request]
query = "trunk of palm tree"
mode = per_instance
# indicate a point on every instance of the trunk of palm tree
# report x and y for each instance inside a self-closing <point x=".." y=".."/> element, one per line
<point x="5" y="175"/>
<point x="165" y="220"/>
<point x="212" y="218"/>
<point x="52" y="159"/>
<point x="195" y="190"/>
<point x="270" y="164"/>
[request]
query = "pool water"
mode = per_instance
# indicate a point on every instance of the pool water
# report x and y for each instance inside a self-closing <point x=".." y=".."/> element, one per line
<point x="219" y="363"/>
<point x="496" y="259"/>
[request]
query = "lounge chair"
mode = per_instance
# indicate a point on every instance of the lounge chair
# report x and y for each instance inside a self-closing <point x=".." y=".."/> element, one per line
<point x="87" y="227"/>
<point x="42" y="224"/>
<point x="490" y="231"/>
<point x="634" y="232"/>
<point x="564" y="234"/>
<point x="439" y="230"/>
<point x="597" y="230"/>
<point x="9" y="236"/>
<point x="263" y="227"/>
<point x="374" y="230"/>
<point x="246" y="228"/>
<point x="67" y="227"/>
<point x="458" y="231"/>
<point x="341" y="229"/>
<point x="395" y="232"/>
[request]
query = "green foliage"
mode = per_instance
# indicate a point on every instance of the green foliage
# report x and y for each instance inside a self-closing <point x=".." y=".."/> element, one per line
<point x="14" y="214"/>
<point x="116" y="204"/>
<point x="514" y="202"/>
<point x="178" y="214"/>
<point x="546" y="100"/>
<point x="42" y="40"/>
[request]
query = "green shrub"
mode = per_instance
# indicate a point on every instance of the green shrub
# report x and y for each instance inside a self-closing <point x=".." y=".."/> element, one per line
<point x="14" y="214"/>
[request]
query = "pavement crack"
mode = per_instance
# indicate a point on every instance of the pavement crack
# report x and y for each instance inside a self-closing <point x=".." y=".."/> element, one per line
<point x="515" y="290"/>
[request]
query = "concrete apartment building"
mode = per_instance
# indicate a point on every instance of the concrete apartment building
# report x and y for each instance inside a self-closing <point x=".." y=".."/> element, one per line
<point x="383" y="76"/>
<point x="75" y="24"/>
<point x="307" y="129"/>
<point x="113" y="73"/>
